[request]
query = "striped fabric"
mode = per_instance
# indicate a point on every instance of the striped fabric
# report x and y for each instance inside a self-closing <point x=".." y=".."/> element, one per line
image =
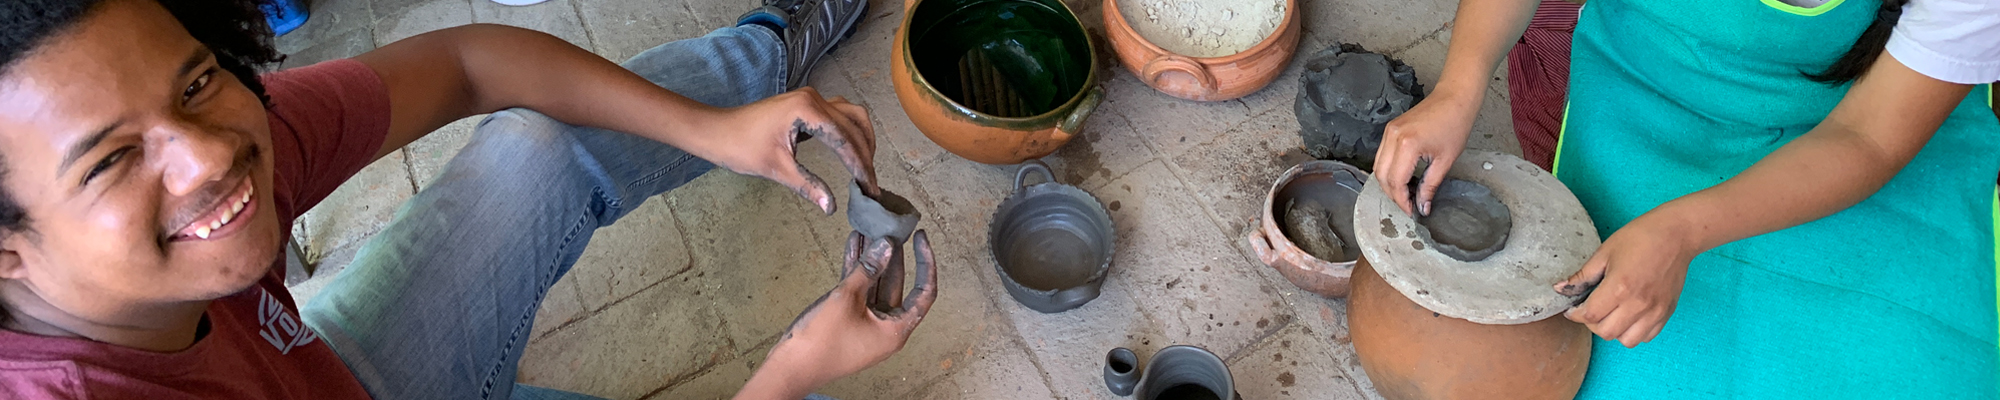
<point x="1538" y="79"/>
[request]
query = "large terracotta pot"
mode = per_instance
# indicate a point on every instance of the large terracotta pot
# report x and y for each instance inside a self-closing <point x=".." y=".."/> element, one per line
<point x="1410" y="352"/>
<point x="1045" y="40"/>
<point x="1203" y="78"/>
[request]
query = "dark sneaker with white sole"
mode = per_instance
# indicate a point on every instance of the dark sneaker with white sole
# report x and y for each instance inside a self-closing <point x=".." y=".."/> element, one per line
<point x="814" y="31"/>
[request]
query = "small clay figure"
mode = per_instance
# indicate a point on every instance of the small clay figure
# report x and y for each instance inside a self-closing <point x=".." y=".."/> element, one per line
<point x="1309" y="225"/>
<point x="1346" y="97"/>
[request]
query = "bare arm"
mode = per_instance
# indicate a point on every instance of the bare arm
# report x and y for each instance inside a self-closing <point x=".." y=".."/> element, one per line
<point x="1436" y="129"/>
<point x="1883" y="121"/>
<point x="1874" y="131"/>
<point x="442" y="76"/>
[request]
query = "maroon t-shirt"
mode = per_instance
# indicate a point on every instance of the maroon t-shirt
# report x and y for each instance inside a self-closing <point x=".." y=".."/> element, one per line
<point x="327" y="122"/>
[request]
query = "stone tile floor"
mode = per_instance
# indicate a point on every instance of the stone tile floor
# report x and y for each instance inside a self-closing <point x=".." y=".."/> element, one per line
<point x="684" y="297"/>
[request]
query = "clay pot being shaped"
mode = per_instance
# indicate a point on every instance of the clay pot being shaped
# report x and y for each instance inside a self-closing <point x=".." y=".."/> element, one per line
<point x="1178" y="372"/>
<point x="1411" y="353"/>
<point x="1460" y="303"/>
<point x="1051" y="243"/>
<point x="995" y="81"/>
<point x="1202" y="78"/>
<point x="1310" y="207"/>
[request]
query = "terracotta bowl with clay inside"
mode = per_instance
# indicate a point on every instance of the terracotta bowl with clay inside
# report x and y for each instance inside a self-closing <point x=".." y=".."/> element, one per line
<point x="1280" y="243"/>
<point x="1212" y="65"/>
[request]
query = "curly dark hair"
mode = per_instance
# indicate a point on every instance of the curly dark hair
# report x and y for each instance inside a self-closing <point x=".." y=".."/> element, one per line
<point x="1859" y="58"/>
<point x="235" y="30"/>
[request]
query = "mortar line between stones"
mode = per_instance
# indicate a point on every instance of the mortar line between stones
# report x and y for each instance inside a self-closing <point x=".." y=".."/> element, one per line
<point x="1420" y="40"/>
<point x="409" y="170"/>
<point x="589" y="38"/>
<point x="1152" y="155"/>
<point x="1034" y="358"/>
<point x="621" y="300"/>
<point x="1261" y="337"/>
<point x="1215" y="217"/>
<point x="691" y="14"/>
<point x="682" y="378"/>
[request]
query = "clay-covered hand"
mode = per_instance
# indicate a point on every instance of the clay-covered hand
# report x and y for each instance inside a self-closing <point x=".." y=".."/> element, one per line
<point x="770" y="128"/>
<point x="1633" y="282"/>
<point x="838" y="334"/>
<point x="1434" y="131"/>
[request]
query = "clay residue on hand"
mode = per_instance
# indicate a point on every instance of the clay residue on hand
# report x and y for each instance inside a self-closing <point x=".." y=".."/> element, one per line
<point x="1204" y="28"/>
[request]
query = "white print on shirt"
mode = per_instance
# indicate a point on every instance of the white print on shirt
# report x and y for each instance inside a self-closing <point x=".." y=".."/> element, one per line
<point x="280" y="328"/>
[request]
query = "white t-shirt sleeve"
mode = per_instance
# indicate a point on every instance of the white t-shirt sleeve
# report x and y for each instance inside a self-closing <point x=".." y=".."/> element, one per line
<point x="1955" y="41"/>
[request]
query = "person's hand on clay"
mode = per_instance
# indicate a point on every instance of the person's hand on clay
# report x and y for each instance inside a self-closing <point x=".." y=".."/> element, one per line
<point x="838" y="334"/>
<point x="1434" y="130"/>
<point x="1633" y="282"/>
<point x="773" y="124"/>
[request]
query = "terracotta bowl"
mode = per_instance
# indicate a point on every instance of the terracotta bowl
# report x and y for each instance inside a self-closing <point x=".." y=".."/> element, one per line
<point x="1203" y="78"/>
<point x="1334" y="183"/>
<point x="1410" y="352"/>
<point x="1039" y="54"/>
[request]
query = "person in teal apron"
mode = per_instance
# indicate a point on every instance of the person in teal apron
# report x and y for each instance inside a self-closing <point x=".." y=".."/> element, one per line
<point x="1775" y="227"/>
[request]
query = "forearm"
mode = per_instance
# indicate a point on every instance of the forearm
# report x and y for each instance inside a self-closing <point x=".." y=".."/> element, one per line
<point x="1814" y="176"/>
<point x="507" y="67"/>
<point x="445" y="75"/>
<point x="773" y="382"/>
<point x="1883" y="121"/>
<point x="1482" y="33"/>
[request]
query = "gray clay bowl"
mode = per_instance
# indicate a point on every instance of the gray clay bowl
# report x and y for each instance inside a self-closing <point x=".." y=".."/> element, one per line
<point x="1051" y="243"/>
<point x="1186" y="372"/>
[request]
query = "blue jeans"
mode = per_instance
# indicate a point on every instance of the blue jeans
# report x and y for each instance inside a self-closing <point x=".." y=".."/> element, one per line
<point x="440" y="303"/>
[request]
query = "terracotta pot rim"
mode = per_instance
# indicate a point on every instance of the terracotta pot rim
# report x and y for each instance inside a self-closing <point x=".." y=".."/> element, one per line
<point x="1285" y="254"/>
<point x="1053" y="116"/>
<point x="1124" y="26"/>
<point x="1271" y="196"/>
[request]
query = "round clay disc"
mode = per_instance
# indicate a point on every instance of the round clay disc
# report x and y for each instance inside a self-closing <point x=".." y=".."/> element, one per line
<point x="1550" y="239"/>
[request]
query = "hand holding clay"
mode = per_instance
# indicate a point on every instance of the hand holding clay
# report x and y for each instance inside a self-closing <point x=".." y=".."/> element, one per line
<point x="771" y="128"/>
<point x="838" y="334"/>
<point x="1633" y="283"/>
<point x="1434" y="131"/>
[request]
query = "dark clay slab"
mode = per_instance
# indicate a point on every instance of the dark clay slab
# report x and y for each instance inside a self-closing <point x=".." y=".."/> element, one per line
<point x="1347" y="95"/>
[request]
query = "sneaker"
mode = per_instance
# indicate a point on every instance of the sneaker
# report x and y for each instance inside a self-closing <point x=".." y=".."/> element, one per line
<point x="816" y="29"/>
<point x="774" y="14"/>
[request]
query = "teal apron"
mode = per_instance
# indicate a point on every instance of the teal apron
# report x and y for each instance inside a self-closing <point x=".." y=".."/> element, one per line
<point x="1892" y="298"/>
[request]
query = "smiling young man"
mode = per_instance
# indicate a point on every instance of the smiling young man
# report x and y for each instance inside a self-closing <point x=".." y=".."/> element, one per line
<point x="148" y="177"/>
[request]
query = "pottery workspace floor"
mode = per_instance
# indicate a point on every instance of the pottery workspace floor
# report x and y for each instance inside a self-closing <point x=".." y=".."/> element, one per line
<point x="684" y="297"/>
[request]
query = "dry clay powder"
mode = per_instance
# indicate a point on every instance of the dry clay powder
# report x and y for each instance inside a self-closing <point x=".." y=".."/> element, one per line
<point x="1204" y="28"/>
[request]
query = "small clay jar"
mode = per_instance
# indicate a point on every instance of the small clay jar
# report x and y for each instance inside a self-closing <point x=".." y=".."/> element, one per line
<point x="1203" y="78"/>
<point x="1410" y="352"/>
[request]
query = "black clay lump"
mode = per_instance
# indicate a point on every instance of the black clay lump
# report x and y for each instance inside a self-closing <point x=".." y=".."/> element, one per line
<point x="1346" y="96"/>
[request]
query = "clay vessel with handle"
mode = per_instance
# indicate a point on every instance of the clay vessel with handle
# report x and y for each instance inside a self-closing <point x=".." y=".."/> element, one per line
<point x="1203" y="78"/>
<point x="1326" y="278"/>
<point x="1051" y="243"/>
